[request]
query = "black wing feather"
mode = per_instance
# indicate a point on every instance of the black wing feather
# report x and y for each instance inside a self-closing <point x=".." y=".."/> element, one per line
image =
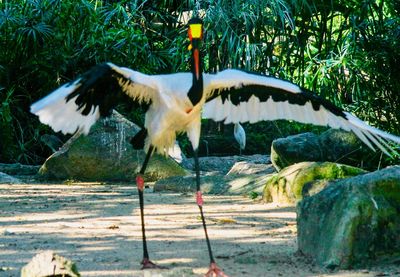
<point x="101" y="87"/>
<point x="263" y="93"/>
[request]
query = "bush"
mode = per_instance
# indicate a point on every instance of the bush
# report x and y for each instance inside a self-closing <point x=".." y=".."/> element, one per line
<point x="347" y="52"/>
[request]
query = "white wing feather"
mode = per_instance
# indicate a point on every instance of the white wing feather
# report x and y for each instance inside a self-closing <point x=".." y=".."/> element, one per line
<point x="63" y="116"/>
<point x="66" y="117"/>
<point x="254" y="110"/>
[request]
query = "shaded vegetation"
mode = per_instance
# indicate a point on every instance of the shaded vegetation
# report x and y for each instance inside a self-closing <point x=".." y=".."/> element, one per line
<point x="346" y="51"/>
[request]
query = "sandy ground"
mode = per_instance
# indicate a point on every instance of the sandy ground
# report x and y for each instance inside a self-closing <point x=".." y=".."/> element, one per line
<point x="98" y="227"/>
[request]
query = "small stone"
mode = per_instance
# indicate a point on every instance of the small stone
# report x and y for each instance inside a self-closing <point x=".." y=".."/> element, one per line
<point x="113" y="227"/>
<point x="7" y="232"/>
<point x="49" y="264"/>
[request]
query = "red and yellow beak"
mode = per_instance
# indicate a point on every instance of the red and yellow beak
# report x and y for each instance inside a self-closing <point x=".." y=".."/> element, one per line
<point x="195" y="32"/>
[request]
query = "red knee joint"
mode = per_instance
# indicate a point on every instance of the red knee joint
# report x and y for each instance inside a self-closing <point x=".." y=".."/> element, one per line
<point x="140" y="182"/>
<point x="199" y="198"/>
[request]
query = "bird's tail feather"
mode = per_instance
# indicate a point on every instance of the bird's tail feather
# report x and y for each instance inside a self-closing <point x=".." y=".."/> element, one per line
<point x="370" y="134"/>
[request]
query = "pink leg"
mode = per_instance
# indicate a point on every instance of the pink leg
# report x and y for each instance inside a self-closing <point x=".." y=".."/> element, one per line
<point x="214" y="270"/>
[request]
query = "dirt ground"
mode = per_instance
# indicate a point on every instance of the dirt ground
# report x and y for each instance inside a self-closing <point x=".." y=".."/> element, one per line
<point x="98" y="227"/>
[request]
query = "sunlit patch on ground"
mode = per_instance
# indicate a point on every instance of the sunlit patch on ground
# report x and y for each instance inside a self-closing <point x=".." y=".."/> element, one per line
<point x="98" y="227"/>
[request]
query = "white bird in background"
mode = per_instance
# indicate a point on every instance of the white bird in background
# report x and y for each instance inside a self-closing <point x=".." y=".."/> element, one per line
<point x="240" y="136"/>
<point x="176" y="103"/>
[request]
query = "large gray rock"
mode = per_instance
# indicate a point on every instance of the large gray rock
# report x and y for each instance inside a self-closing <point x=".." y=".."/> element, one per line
<point x="306" y="178"/>
<point x="19" y="169"/>
<point x="295" y="149"/>
<point x="231" y="174"/>
<point x="106" y="154"/>
<point x="215" y="184"/>
<point x="224" y="164"/>
<point x="332" y="145"/>
<point x="352" y="222"/>
<point x="7" y="179"/>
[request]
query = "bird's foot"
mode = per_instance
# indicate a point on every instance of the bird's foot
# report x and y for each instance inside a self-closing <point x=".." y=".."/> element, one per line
<point x="215" y="271"/>
<point x="147" y="264"/>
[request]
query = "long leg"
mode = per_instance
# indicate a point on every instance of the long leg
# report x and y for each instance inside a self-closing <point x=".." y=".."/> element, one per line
<point x="146" y="263"/>
<point x="199" y="200"/>
<point x="214" y="269"/>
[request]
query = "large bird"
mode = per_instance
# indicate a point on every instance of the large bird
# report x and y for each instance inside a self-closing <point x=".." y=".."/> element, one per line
<point x="176" y="103"/>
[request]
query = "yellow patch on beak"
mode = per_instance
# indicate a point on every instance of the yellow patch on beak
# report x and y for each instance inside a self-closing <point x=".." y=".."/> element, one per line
<point x="196" y="30"/>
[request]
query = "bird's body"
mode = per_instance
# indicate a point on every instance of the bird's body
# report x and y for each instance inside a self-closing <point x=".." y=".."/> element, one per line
<point x="177" y="102"/>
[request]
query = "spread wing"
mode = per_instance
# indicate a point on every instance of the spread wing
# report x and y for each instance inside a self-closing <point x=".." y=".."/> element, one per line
<point x="234" y="96"/>
<point x="77" y="105"/>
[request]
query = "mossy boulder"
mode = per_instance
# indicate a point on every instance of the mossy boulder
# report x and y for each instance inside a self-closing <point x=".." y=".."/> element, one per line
<point x="353" y="222"/>
<point x="105" y="154"/>
<point x="332" y="145"/>
<point x="296" y="181"/>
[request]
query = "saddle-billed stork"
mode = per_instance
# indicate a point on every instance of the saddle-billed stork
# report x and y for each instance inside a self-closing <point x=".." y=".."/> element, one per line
<point x="177" y="102"/>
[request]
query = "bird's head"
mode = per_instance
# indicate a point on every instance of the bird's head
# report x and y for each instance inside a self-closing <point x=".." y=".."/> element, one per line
<point x="195" y="32"/>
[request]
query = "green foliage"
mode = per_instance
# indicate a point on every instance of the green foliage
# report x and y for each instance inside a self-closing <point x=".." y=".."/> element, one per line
<point x="253" y="195"/>
<point x="347" y="52"/>
<point x="45" y="43"/>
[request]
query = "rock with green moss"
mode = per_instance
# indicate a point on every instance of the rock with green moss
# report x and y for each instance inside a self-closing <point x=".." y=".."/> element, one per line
<point x="106" y="154"/>
<point x="332" y="145"/>
<point x="49" y="264"/>
<point x="303" y="179"/>
<point x="353" y="222"/>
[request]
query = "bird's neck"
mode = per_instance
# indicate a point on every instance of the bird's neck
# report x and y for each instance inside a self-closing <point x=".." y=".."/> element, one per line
<point x="196" y="91"/>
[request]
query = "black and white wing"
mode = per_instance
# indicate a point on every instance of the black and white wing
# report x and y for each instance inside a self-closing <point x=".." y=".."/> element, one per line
<point x="234" y="96"/>
<point x="77" y="105"/>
